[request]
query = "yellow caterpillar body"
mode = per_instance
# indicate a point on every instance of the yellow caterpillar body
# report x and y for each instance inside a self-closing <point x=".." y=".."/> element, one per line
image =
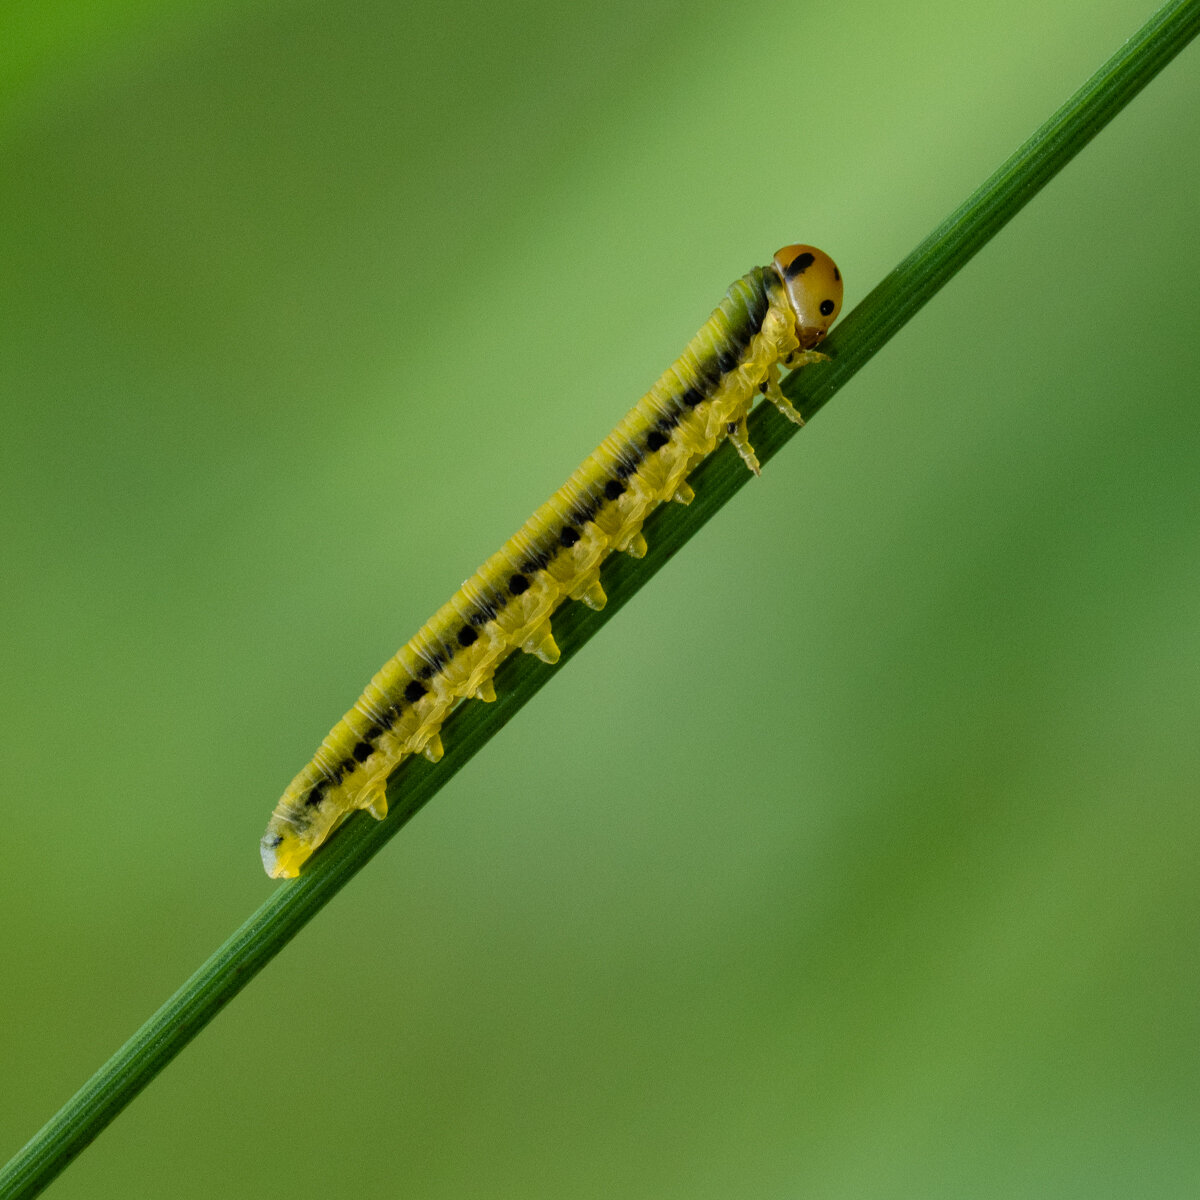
<point x="773" y="316"/>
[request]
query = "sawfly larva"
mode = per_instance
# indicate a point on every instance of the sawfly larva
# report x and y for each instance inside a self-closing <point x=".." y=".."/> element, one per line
<point x="772" y="317"/>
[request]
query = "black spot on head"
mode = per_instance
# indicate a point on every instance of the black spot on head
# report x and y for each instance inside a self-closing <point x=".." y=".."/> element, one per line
<point x="518" y="584"/>
<point x="274" y="840"/>
<point x="467" y="636"/>
<point x="656" y="440"/>
<point x="826" y="307"/>
<point x="799" y="265"/>
<point x="413" y="691"/>
<point x="362" y="751"/>
<point x="614" y="488"/>
<point x="568" y="535"/>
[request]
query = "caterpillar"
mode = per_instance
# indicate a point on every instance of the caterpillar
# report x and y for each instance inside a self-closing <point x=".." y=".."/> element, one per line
<point x="771" y="318"/>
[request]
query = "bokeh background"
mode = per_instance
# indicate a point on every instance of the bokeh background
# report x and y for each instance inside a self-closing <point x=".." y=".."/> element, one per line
<point x="856" y="858"/>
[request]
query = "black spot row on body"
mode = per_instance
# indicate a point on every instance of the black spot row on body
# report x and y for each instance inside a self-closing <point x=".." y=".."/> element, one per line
<point x="518" y="583"/>
<point x="581" y="514"/>
<point x="539" y="560"/>
<point x="484" y="613"/>
<point x="710" y="375"/>
<point x="364" y="748"/>
<point x="743" y="334"/>
<point x="758" y="311"/>
<point x="334" y="777"/>
<point x="432" y="667"/>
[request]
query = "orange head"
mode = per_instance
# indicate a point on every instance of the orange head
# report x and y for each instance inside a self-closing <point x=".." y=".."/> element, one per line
<point x="814" y="290"/>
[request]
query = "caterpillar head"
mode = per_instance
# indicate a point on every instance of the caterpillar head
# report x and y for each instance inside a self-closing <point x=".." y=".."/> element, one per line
<point x="814" y="290"/>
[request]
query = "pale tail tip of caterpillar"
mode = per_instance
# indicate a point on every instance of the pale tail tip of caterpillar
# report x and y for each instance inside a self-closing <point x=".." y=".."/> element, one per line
<point x="281" y="857"/>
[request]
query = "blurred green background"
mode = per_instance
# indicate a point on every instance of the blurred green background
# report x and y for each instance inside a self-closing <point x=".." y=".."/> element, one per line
<point x="857" y="858"/>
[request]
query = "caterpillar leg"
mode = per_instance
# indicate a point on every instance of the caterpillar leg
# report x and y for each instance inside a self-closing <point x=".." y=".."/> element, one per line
<point x="770" y="388"/>
<point x="740" y="438"/>
<point x="541" y="642"/>
<point x="374" y="799"/>
<point x="590" y="592"/>
<point x="803" y="358"/>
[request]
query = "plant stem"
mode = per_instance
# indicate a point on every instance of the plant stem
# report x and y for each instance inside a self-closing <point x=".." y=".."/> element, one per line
<point x="861" y="335"/>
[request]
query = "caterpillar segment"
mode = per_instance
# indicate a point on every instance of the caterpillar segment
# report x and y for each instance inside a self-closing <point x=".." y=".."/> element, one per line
<point x="772" y="317"/>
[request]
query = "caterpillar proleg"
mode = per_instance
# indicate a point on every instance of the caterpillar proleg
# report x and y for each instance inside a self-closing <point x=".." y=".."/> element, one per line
<point x="773" y="317"/>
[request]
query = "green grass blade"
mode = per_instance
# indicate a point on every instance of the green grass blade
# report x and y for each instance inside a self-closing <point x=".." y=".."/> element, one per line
<point x="862" y="333"/>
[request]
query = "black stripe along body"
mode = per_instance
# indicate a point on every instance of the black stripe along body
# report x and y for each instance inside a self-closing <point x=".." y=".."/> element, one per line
<point x="772" y="316"/>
